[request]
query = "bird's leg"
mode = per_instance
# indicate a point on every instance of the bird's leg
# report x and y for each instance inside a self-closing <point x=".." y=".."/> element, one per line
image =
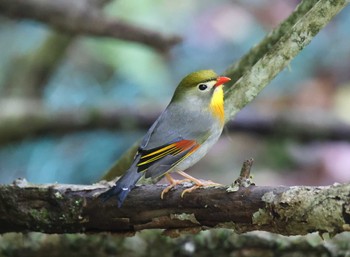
<point x="173" y="182"/>
<point x="198" y="183"/>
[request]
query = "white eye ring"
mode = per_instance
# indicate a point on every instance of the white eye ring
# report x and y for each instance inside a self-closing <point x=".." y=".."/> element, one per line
<point x="202" y="87"/>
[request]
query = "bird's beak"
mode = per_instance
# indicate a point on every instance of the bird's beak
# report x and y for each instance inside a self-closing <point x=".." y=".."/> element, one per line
<point x="221" y="80"/>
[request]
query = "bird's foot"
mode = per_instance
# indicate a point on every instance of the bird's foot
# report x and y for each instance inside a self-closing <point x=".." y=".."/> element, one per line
<point x="197" y="183"/>
<point x="205" y="183"/>
<point x="173" y="183"/>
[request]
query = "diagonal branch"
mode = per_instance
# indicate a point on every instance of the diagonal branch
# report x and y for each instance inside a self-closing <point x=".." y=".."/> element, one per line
<point x="263" y="62"/>
<point x="71" y="208"/>
<point x="285" y="43"/>
<point x="78" y="17"/>
<point x="237" y="70"/>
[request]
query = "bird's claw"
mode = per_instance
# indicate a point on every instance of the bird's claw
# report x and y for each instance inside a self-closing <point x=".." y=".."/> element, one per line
<point x="189" y="190"/>
<point x="207" y="183"/>
<point x="196" y="183"/>
<point x="174" y="183"/>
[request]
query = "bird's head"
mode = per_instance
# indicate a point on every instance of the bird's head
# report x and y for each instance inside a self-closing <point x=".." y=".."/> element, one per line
<point x="203" y="89"/>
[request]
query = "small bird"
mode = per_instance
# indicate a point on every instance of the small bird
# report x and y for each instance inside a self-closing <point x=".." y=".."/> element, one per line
<point x="185" y="131"/>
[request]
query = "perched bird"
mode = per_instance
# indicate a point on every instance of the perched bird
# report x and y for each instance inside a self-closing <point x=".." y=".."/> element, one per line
<point x="180" y="137"/>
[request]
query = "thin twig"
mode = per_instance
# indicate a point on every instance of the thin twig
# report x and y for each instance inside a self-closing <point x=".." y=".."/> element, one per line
<point x="245" y="171"/>
<point x="78" y="17"/>
<point x="244" y="179"/>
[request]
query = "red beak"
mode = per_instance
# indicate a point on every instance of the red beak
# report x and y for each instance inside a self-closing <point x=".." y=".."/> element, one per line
<point x="221" y="80"/>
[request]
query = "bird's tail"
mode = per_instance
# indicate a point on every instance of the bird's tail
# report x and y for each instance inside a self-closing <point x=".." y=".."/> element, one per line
<point x="123" y="186"/>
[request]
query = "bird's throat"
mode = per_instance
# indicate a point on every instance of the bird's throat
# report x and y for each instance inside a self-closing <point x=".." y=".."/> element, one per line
<point x="217" y="104"/>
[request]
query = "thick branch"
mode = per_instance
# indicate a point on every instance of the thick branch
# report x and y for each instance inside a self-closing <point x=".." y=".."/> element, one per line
<point x="66" y="208"/>
<point x="285" y="210"/>
<point x="218" y="242"/>
<point x="78" y="17"/>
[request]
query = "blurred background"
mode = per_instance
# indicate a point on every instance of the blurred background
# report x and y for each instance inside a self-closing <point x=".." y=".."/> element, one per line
<point x="297" y="130"/>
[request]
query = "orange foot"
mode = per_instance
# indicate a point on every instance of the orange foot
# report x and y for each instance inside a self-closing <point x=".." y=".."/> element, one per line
<point x="173" y="183"/>
<point x="197" y="183"/>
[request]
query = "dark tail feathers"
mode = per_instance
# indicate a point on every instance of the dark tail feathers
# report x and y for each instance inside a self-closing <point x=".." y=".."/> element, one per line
<point x="123" y="186"/>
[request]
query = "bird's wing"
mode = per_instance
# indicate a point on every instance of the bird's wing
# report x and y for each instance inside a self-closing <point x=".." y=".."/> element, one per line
<point x="157" y="161"/>
<point x="169" y="141"/>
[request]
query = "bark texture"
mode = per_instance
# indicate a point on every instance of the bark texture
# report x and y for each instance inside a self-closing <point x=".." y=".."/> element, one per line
<point x="70" y="208"/>
<point x="216" y="242"/>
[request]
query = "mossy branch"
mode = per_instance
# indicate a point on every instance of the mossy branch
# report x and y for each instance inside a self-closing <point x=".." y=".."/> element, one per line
<point x="71" y="208"/>
<point x="284" y="210"/>
<point x="276" y="51"/>
<point x="216" y="242"/>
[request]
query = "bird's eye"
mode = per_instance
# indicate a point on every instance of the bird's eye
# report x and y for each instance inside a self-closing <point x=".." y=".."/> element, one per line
<point x="202" y="87"/>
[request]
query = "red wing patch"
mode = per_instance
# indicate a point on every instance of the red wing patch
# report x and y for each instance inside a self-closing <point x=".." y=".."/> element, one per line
<point x="182" y="148"/>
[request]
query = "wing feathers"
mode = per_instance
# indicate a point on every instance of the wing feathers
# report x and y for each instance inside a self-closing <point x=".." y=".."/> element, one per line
<point x="171" y="154"/>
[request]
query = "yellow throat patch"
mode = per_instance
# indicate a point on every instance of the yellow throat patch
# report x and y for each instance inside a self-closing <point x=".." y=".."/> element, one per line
<point x="217" y="104"/>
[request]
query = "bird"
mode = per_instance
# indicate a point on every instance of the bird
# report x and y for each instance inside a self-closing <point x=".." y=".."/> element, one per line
<point x="183" y="133"/>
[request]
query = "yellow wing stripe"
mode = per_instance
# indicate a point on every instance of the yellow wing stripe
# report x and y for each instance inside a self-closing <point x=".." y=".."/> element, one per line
<point x="173" y="149"/>
<point x="161" y="155"/>
<point x="158" y="151"/>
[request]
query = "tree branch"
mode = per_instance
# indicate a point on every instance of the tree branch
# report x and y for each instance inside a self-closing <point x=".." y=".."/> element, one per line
<point x="286" y="210"/>
<point x="277" y="50"/>
<point x="266" y="60"/>
<point x="216" y="242"/>
<point x="28" y="74"/>
<point x="15" y="125"/>
<point x="80" y="17"/>
<point x="23" y="118"/>
<point x="70" y="208"/>
<point x="237" y="70"/>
